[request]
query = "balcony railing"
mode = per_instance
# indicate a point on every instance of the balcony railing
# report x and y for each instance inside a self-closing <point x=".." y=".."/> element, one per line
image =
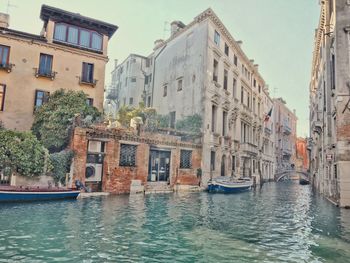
<point x="7" y="67"/>
<point x="286" y="129"/>
<point x="90" y="82"/>
<point x="286" y="151"/>
<point x="249" y="148"/>
<point x="45" y="73"/>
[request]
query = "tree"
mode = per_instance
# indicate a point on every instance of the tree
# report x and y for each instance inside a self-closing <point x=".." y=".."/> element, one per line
<point x="126" y="113"/>
<point x="54" y="119"/>
<point x="61" y="163"/>
<point x="22" y="153"/>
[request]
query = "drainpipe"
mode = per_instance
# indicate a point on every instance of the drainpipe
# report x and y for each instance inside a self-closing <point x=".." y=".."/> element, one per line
<point x="154" y="70"/>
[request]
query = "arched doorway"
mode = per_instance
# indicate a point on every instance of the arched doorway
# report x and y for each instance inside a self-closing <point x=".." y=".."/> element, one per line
<point x="223" y="165"/>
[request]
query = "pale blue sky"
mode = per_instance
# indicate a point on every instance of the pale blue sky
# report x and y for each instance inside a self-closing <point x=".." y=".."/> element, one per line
<point x="277" y="34"/>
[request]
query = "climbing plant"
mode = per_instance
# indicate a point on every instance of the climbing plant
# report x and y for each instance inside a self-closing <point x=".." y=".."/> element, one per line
<point x="191" y="123"/>
<point x="61" y="162"/>
<point x="53" y="120"/>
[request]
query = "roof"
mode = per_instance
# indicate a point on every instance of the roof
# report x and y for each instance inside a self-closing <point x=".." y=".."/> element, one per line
<point x="59" y="15"/>
<point x="7" y="31"/>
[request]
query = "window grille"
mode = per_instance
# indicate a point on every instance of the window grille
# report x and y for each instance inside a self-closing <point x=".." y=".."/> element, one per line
<point x="186" y="159"/>
<point x="127" y="155"/>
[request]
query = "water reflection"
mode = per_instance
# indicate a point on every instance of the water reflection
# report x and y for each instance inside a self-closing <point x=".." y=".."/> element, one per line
<point x="279" y="222"/>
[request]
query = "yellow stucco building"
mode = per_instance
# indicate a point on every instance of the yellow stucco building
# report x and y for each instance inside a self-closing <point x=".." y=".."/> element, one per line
<point x="69" y="53"/>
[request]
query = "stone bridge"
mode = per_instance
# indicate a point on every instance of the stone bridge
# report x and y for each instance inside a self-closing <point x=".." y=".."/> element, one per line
<point x="281" y="174"/>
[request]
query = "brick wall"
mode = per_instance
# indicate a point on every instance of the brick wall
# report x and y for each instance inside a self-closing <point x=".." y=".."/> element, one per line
<point x="117" y="179"/>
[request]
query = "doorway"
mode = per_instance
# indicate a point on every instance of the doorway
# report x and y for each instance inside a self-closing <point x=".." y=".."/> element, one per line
<point x="159" y="166"/>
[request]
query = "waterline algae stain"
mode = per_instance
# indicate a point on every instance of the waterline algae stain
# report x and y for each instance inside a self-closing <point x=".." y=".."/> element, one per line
<point x="281" y="222"/>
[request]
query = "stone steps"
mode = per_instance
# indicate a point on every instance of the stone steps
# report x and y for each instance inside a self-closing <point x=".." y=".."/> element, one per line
<point x="158" y="188"/>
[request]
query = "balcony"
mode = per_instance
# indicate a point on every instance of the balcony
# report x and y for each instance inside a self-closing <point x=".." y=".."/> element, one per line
<point x="112" y="94"/>
<point x="286" y="129"/>
<point x="215" y="139"/>
<point x="227" y="141"/>
<point x="7" y="67"/>
<point x="316" y="127"/>
<point x="286" y="151"/>
<point x="89" y="82"/>
<point x="45" y="73"/>
<point x="249" y="148"/>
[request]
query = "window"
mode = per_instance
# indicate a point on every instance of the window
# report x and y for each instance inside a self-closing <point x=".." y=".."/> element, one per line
<point x="2" y="96"/>
<point x="242" y="95"/>
<point x="127" y="155"/>
<point x="235" y="60"/>
<point x="165" y="91"/>
<point x="254" y="106"/>
<point x="259" y="89"/>
<point x="213" y="118"/>
<point x="78" y="36"/>
<point x="4" y="55"/>
<point x="212" y="161"/>
<point x="131" y="101"/>
<point x="234" y="87"/>
<point x="88" y="73"/>
<point x="90" y="101"/>
<point x="225" y="79"/>
<point x="248" y="100"/>
<point x="226" y="49"/>
<point x="217" y="38"/>
<point x="259" y="109"/>
<point x="41" y="97"/>
<point x="185" y="159"/>
<point x="215" y="70"/>
<point x="149" y="101"/>
<point x="179" y="85"/>
<point x="254" y="83"/>
<point x="172" y="119"/>
<point x="148" y="62"/>
<point x="45" y="65"/>
<point x="133" y="79"/>
<point x="224" y="123"/>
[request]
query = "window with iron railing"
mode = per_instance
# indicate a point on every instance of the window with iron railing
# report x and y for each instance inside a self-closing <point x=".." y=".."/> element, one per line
<point x="127" y="155"/>
<point x="4" y="58"/>
<point x="186" y="159"/>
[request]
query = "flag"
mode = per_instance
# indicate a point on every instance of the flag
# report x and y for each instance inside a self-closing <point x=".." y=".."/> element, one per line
<point x="268" y="115"/>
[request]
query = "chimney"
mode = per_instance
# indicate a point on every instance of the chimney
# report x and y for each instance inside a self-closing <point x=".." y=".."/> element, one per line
<point x="115" y="63"/>
<point x="157" y="43"/>
<point x="256" y="66"/>
<point x="239" y="42"/>
<point x="176" y="26"/>
<point x="4" y="20"/>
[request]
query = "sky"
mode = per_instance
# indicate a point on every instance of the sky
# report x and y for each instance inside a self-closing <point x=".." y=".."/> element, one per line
<point x="277" y="34"/>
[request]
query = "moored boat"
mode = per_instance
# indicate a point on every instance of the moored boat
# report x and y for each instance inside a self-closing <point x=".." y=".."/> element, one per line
<point x="27" y="194"/>
<point x="303" y="181"/>
<point x="229" y="185"/>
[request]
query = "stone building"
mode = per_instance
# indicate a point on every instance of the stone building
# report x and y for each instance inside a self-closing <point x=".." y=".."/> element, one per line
<point x="69" y="53"/>
<point x="285" y="135"/>
<point x="112" y="160"/>
<point x="128" y="84"/>
<point x="330" y="103"/>
<point x="202" y="69"/>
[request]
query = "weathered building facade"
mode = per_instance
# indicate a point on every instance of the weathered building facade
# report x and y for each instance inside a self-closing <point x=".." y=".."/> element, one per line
<point x="201" y="69"/>
<point x="111" y="160"/>
<point x="302" y="155"/>
<point x="70" y="53"/>
<point x="285" y="135"/>
<point x="330" y="103"/>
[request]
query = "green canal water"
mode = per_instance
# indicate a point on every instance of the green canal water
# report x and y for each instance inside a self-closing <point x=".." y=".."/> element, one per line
<point x="281" y="222"/>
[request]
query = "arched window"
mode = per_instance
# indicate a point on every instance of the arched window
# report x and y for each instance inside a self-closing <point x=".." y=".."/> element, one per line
<point x="223" y="165"/>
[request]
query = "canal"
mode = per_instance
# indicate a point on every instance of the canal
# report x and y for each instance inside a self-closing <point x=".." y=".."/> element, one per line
<point x="281" y="222"/>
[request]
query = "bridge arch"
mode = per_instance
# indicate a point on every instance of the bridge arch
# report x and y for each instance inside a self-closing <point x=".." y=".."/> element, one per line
<point x="280" y="175"/>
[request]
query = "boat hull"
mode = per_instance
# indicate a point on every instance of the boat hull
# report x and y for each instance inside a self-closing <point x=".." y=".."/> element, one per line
<point x="21" y="196"/>
<point x="222" y="187"/>
<point x="304" y="181"/>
